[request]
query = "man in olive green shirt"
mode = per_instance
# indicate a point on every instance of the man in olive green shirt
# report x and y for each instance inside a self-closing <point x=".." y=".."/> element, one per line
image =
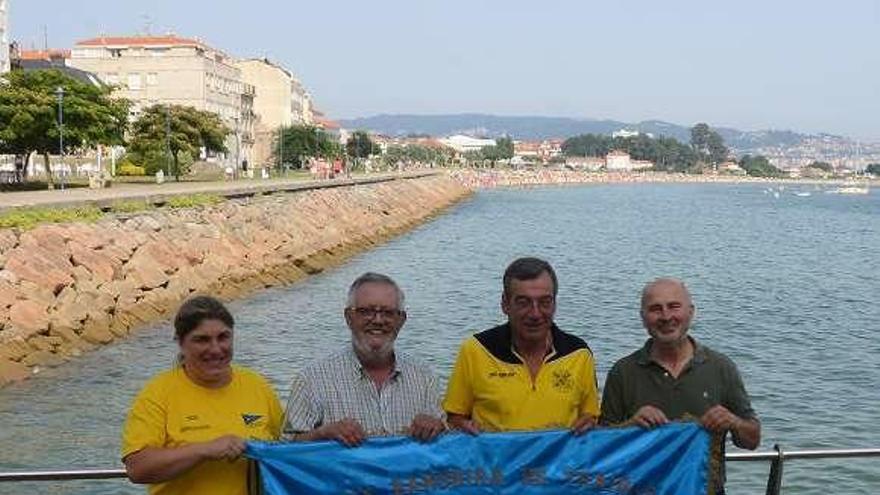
<point x="673" y="375"/>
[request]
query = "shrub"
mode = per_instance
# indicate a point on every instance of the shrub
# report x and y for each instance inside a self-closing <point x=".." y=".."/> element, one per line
<point x="130" y="169"/>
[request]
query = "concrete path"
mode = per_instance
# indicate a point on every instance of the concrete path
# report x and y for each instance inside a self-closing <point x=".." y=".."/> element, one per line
<point x="158" y="193"/>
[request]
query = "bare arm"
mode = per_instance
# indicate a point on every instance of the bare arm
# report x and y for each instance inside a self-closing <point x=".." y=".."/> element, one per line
<point x="160" y="464"/>
<point x="747" y="433"/>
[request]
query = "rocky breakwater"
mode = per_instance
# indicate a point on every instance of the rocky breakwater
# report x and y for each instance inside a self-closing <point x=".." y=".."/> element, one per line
<point x="66" y="288"/>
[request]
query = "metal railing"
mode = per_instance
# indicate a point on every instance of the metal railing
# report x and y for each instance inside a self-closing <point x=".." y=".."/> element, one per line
<point x="777" y="458"/>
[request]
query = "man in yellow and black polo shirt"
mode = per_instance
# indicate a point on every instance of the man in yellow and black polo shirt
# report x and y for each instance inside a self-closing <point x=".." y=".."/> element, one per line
<point x="526" y="374"/>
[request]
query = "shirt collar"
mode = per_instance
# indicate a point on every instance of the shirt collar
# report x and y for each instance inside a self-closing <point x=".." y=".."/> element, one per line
<point x="357" y="369"/>
<point x="553" y="337"/>
<point x="644" y="354"/>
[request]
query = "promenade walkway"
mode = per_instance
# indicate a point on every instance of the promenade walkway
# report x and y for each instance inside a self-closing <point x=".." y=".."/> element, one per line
<point x="158" y="193"/>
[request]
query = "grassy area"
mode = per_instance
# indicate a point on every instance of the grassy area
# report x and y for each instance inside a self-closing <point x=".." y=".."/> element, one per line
<point x="28" y="218"/>
<point x="130" y="206"/>
<point x="193" y="200"/>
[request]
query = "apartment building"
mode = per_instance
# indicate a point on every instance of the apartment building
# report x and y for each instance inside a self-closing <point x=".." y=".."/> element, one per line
<point x="168" y="69"/>
<point x="280" y="101"/>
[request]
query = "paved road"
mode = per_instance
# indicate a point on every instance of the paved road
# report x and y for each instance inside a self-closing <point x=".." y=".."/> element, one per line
<point x="156" y="193"/>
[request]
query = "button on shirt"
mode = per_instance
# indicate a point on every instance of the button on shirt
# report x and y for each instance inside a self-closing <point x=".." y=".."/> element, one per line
<point x="338" y="387"/>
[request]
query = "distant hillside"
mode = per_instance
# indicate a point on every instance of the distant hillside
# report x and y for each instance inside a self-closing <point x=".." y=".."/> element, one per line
<point x="555" y="127"/>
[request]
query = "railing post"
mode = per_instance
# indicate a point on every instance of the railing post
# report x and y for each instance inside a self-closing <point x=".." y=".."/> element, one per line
<point x="774" y="481"/>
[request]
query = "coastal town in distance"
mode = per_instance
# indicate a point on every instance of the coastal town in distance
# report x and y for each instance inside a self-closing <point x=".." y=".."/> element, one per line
<point x="270" y="123"/>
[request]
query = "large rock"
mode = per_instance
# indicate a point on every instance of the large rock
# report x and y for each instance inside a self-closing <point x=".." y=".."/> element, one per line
<point x="143" y="273"/>
<point x="27" y="318"/>
<point x="12" y="347"/>
<point x="102" y="267"/>
<point x="8" y="240"/>
<point x="49" y="237"/>
<point x="10" y="372"/>
<point x="42" y="358"/>
<point x="8" y="294"/>
<point x="31" y="264"/>
<point x="116" y="252"/>
<point x="161" y="254"/>
<point x="36" y="293"/>
<point x="90" y="236"/>
<point x="67" y="333"/>
<point x="45" y="342"/>
<point x="96" y="330"/>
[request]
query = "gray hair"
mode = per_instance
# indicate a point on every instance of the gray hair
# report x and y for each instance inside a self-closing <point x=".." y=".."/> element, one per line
<point x="665" y="280"/>
<point x="528" y="268"/>
<point x="374" y="278"/>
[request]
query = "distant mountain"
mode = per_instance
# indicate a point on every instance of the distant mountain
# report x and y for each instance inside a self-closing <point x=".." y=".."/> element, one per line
<point x="556" y="127"/>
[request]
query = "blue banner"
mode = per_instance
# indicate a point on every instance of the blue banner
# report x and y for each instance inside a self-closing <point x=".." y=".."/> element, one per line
<point x="675" y="459"/>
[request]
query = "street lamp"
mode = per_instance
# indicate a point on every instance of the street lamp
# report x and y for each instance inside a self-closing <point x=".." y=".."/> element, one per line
<point x="237" y="147"/>
<point x="59" y="92"/>
<point x="167" y="142"/>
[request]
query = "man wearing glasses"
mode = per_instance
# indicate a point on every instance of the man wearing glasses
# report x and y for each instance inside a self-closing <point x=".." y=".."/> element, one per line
<point x="367" y="388"/>
<point x="526" y="374"/>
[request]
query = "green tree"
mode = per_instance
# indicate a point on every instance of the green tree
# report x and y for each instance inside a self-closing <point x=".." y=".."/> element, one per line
<point x="415" y="153"/>
<point x="360" y="145"/>
<point x="185" y="130"/>
<point x="708" y="143"/>
<point x="758" y="166"/>
<point x="823" y="166"/>
<point x="666" y="153"/>
<point x="29" y="115"/>
<point x="299" y="142"/>
<point x="873" y="169"/>
<point x="502" y="150"/>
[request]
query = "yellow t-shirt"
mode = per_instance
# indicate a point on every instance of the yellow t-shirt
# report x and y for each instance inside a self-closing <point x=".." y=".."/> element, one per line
<point x="492" y="385"/>
<point x="171" y="411"/>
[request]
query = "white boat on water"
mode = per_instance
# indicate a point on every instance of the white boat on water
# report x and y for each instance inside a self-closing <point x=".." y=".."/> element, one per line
<point x="853" y="188"/>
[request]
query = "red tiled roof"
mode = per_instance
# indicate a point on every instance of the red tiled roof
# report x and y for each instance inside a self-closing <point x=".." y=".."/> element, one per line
<point x="140" y="41"/>
<point x="327" y="123"/>
<point x="43" y="54"/>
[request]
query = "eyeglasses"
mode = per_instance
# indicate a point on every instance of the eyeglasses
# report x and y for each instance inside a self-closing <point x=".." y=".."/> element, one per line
<point x="371" y="313"/>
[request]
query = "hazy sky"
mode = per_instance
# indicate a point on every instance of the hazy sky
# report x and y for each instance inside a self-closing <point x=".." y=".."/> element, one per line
<point x="802" y="65"/>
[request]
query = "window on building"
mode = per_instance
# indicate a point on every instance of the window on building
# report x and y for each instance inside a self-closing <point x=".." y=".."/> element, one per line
<point x="158" y="52"/>
<point x="112" y="78"/>
<point x="134" y="81"/>
<point x="152" y="78"/>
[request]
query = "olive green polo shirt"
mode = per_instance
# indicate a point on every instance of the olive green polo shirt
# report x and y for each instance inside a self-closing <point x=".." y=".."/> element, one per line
<point x="709" y="379"/>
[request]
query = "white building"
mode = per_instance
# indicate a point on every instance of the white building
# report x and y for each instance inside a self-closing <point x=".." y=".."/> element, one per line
<point x="170" y="70"/>
<point x="626" y="133"/>
<point x="4" y="37"/>
<point x="589" y="163"/>
<point x="617" y="161"/>
<point x="463" y="144"/>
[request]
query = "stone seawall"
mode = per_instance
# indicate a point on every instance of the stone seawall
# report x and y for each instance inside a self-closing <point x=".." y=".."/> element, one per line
<point x="65" y="289"/>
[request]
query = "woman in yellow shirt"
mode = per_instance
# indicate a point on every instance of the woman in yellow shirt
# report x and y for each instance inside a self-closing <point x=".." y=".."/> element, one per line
<point x="187" y="428"/>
